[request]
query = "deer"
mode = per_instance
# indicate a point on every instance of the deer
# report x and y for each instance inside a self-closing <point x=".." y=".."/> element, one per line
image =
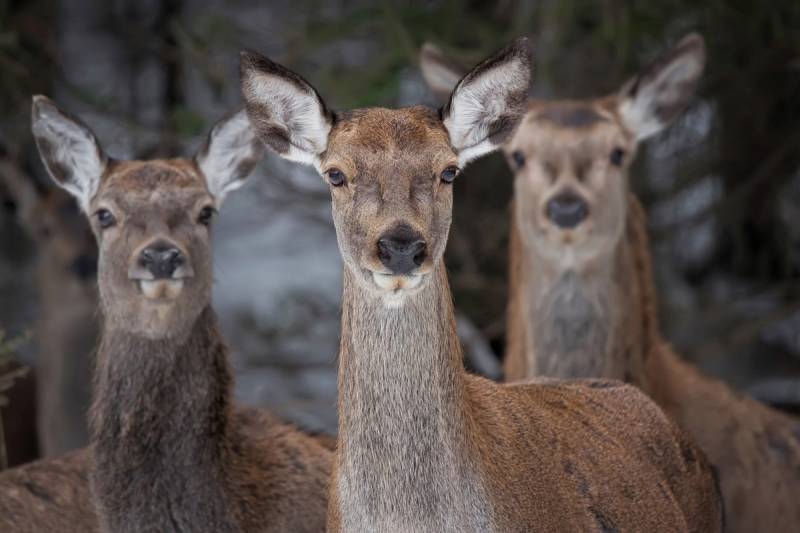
<point x="582" y="300"/>
<point x="422" y="444"/>
<point x="169" y="450"/>
<point x="67" y="327"/>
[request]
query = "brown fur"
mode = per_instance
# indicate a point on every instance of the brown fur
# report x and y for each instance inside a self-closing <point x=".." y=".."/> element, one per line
<point x="168" y="450"/>
<point x="273" y="466"/>
<point x="67" y="326"/>
<point x="755" y="449"/>
<point x="437" y="449"/>
<point x="423" y="446"/>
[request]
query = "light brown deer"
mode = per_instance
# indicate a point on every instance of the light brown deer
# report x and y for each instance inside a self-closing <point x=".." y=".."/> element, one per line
<point x="169" y="450"/>
<point x="424" y="446"/>
<point x="582" y="298"/>
<point x="67" y="325"/>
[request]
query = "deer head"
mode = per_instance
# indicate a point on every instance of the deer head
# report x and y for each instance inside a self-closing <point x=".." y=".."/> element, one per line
<point x="151" y="219"/>
<point x="52" y="220"/>
<point x="390" y="171"/>
<point x="571" y="158"/>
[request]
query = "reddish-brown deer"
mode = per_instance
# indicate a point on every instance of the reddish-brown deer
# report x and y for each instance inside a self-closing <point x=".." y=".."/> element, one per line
<point x="582" y="299"/>
<point x="169" y="450"/>
<point x="424" y="446"/>
<point x="67" y="327"/>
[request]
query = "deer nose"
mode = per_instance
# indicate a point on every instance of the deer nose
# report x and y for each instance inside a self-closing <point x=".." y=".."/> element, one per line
<point x="567" y="210"/>
<point x="161" y="259"/>
<point x="401" y="250"/>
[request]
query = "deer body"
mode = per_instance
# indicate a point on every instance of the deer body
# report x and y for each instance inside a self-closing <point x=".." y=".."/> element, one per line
<point x="67" y="327"/>
<point x="459" y="453"/>
<point x="582" y="301"/>
<point x="68" y="333"/>
<point x="423" y="446"/>
<point x="755" y="449"/>
<point x="169" y="452"/>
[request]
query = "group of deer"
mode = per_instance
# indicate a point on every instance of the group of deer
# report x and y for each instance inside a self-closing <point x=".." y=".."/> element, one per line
<point x="422" y="444"/>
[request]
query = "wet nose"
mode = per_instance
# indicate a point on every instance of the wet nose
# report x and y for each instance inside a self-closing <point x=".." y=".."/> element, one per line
<point x="84" y="266"/>
<point x="401" y="250"/>
<point x="567" y="210"/>
<point x="161" y="259"/>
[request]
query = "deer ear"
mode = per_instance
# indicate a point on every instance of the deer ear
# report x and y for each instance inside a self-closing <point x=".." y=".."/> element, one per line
<point x="440" y="73"/>
<point x="488" y="103"/>
<point x="69" y="150"/>
<point x="230" y="153"/>
<point x="651" y="100"/>
<point x="286" y="111"/>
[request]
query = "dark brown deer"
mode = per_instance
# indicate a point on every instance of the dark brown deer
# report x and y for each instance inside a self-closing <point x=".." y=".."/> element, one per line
<point x="67" y="324"/>
<point x="582" y="299"/>
<point x="169" y="450"/>
<point x="424" y="446"/>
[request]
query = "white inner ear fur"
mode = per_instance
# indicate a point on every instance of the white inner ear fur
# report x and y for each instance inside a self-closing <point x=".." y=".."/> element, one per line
<point x="72" y="147"/>
<point x="299" y="112"/>
<point x="230" y="155"/>
<point x="668" y="87"/>
<point x="476" y="104"/>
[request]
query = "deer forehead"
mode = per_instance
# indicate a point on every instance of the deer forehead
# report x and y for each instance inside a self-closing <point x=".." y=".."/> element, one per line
<point x="570" y="129"/>
<point x="172" y="184"/>
<point x="406" y="140"/>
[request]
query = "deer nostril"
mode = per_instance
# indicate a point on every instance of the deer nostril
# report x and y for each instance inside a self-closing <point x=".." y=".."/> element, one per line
<point x="161" y="259"/>
<point x="419" y="256"/>
<point x="401" y="250"/>
<point x="567" y="210"/>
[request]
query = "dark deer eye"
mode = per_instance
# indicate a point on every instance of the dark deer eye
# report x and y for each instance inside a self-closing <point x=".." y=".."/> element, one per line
<point x="519" y="158"/>
<point x="617" y="156"/>
<point x="449" y="174"/>
<point x="104" y="218"/>
<point x="206" y="215"/>
<point x="336" y="177"/>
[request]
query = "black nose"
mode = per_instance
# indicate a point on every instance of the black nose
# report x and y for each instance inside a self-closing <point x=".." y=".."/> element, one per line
<point x="567" y="210"/>
<point x="161" y="259"/>
<point x="401" y="249"/>
<point x="84" y="266"/>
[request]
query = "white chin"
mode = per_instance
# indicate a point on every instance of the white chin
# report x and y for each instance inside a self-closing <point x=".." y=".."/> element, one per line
<point x="161" y="289"/>
<point x="395" y="288"/>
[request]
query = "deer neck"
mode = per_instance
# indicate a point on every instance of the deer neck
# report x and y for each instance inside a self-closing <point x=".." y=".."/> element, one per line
<point x="160" y="423"/>
<point x="404" y="450"/>
<point x="67" y="335"/>
<point x="595" y="319"/>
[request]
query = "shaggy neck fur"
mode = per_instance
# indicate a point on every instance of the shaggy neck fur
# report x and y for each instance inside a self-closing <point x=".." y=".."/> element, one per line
<point x="404" y="454"/>
<point x="159" y="431"/>
<point x="595" y="320"/>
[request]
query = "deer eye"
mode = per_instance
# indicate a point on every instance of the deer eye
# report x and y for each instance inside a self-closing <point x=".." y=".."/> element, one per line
<point x="206" y="215"/>
<point x="519" y="158"/>
<point x="104" y="218"/>
<point x="336" y="177"/>
<point x="449" y="174"/>
<point x="617" y="156"/>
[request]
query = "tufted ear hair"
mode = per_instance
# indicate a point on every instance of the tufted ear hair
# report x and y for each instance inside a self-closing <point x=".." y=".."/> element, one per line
<point x="229" y="154"/>
<point x="440" y="72"/>
<point x="488" y="103"/>
<point x="286" y="111"/>
<point x="69" y="150"/>
<point x="662" y="91"/>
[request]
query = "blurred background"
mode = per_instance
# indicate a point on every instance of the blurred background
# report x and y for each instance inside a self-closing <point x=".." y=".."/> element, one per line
<point x="150" y="77"/>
